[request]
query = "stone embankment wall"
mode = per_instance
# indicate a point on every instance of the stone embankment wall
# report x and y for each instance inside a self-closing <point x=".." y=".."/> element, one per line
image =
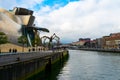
<point x="23" y="65"/>
<point x="101" y="50"/>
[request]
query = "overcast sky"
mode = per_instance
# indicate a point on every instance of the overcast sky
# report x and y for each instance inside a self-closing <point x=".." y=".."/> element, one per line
<point x="73" y="19"/>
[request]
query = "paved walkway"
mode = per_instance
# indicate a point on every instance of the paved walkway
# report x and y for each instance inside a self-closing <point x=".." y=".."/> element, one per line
<point x="10" y="58"/>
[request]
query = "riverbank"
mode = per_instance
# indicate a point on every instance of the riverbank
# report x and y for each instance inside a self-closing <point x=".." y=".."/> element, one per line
<point x="21" y="66"/>
<point x="101" y="50"/>
<point x="55" y="69"/>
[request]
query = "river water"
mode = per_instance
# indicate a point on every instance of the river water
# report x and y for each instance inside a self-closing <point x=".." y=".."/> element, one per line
<point x="89" y="65"/>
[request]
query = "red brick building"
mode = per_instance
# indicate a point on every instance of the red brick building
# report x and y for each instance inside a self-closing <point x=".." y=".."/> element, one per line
<point x="112" y="41"/>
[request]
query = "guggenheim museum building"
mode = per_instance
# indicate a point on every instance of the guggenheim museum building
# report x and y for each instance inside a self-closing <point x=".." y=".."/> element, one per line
<point x="17" y="22"/>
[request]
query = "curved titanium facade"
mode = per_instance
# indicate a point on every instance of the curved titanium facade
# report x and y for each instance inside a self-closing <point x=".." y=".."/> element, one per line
<point x="13" y="21"/>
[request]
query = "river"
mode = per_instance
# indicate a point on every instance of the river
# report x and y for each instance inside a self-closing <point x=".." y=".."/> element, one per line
<point x="88" y="65"/>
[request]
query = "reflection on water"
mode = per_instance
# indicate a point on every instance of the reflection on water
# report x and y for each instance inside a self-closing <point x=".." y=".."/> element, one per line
<point x="51" y="75"/>
<point x="89" y="65"/>
<point x="86" y="65"/>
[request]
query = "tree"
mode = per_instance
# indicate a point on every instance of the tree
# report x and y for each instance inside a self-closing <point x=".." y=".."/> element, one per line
<point x="38" y="41"/>
<point x="23" y="40"/>
<point x="3" y="38"/>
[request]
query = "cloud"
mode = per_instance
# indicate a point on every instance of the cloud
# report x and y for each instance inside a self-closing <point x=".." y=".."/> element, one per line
<point x="86" y="18"/>
<point x="7" y="4"/>
<point x="30" y="4"/>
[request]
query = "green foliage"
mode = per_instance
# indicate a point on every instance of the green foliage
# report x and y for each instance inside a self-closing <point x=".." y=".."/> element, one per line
<point x="3" y="38"/>
<point x="23" y="40"/>
<point x="2" y="33"/>
<point x="37" y="41"/>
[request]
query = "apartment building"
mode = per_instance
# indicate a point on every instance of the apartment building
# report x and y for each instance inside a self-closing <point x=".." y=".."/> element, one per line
<point x="112" y="41"/>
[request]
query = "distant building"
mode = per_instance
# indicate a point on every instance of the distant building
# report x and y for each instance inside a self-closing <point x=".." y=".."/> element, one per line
<point x="96" y="43"/>
<point x="112" y="41"/>
<point x="83" y="42"/>
<point x="93" y="43"/>
<point x="84" y="39"/>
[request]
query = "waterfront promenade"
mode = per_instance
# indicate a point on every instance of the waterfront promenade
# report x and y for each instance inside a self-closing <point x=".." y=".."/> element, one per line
<point x="20" y="66"/>
<point x="11" y="58"/>
<point x="101" y="50"/>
